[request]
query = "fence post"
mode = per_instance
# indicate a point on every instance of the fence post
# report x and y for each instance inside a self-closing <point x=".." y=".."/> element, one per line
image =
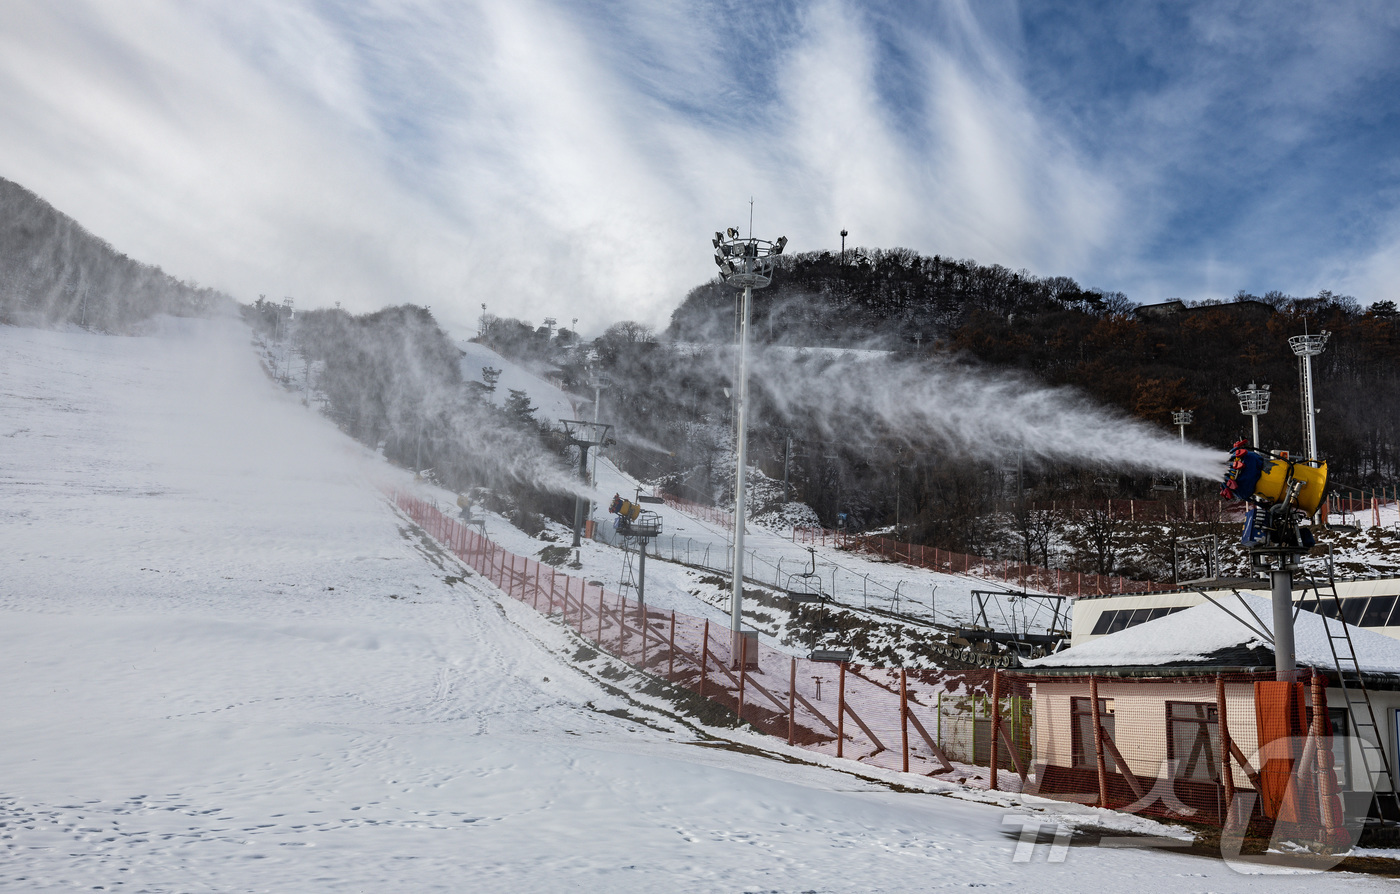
<point x="1329" y="801"/>
<point x="904" y="716"/>
<point x="1098" y="740"/>
<point x="792" y="702"/>
<point x="972" y="758"/>
<point x="582" y="593"/>
<point x="841" y="712"/>
<point x="705" y="658"/>
<point x="938" y="732"/>
<point x="600" y="614"/>
<point x="995" y="737"/>
<point x="743" y="673"/>
<point x="1227" y="777"/>
<point x="671" y="654"/>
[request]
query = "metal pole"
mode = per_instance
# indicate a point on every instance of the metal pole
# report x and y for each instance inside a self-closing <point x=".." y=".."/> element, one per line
<point x="1255" y="419"/>
<point x="1285" y="661"/>
<point x="1312" y="417"/>
<point x="1183" y="471"/>
<point x="736" y="619"/>
<point x="579" y="500"/>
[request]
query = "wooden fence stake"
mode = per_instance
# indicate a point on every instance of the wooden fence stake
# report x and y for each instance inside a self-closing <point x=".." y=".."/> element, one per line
<point x="705" y="658"/>
<point x="995" y="745"/>
<point x="1227" y="776"/>
<point x="792" y="706"/>
<point x="743" y="673"/>
<point x="904" y="716"/>
<point x="1098" y="740"/>
<point x="841" y="712"/>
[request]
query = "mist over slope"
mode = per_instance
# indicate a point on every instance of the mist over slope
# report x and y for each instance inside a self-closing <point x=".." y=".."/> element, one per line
<point x="53" y="271"/>
<point x="231" y="666"/>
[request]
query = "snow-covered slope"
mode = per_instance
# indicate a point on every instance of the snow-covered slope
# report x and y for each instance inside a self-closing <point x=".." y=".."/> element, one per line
<point x="230" y="666"/>
<point x="550" y="403"/>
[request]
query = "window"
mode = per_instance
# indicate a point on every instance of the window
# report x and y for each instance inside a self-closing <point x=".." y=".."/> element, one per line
<point x="1140" y="616"/>
<point x="1120" y="620"/>
<point x="1328" y="606"/>
<point x="1378" y="611"/>
<point x="1353" y="609"/>
<point x="1082" y="732"/>
<point x="1193" y="740"/>
<point x="1341" y="752"/>
<point x="1103" y="622"/>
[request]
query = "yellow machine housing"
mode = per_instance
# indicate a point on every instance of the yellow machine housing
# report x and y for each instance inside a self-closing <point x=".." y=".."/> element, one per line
<point x="1273" y="483"/>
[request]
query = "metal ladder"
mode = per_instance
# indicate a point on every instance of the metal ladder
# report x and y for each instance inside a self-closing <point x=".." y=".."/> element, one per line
<point x="1380" y="778"/>
<point x="628" y="579"/>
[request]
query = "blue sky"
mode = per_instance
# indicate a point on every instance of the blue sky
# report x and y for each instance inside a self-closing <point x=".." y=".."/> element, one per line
<point x="571" y="159"/>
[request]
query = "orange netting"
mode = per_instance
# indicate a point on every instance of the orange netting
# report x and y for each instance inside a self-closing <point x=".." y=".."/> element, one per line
<point x="1197" y="748"/>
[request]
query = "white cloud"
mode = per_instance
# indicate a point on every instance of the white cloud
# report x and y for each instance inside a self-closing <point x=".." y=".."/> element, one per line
<point x="540" y="158"/>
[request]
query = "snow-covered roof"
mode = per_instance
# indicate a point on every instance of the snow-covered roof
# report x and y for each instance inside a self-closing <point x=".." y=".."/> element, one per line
<point x="1207" y="634"/>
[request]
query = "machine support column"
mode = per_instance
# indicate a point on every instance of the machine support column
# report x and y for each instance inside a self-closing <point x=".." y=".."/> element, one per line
<point x="1285" y="661"/>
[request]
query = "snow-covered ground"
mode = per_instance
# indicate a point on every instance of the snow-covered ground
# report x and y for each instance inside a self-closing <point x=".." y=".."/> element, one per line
<point x="229" y="665"/>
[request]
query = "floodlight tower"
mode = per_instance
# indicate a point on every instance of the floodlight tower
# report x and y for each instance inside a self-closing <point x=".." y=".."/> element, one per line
<point x="1183" y="418"/>
<point x="1254" y="402"/>
<point x="1307" y="347"/>
<point x="583" y="435"/>
<point x="744" y="263"/>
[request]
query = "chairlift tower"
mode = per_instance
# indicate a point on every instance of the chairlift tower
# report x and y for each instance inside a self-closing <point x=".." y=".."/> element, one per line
<point x="1307" y="347"/>
<point x="744" y="263"/>
<point x="1183" y="418"/>
<point x="583" y="435"/>
<point x="1254" y="402"/>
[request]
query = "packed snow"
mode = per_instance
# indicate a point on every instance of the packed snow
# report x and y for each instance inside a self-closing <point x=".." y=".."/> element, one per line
<point x="1232" y="621"/>
<point x="230" y="665"/>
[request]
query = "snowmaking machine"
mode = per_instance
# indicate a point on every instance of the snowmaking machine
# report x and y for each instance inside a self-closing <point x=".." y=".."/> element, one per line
<point x="1281" y="494"/>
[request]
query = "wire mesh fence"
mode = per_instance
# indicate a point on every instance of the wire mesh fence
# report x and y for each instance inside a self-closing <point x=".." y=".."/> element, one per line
<point x="1020" y="574"/>
<point x="1219" y="749"/>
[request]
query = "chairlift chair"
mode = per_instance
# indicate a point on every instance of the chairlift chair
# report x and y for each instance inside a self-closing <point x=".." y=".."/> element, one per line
<point x="806" y="586"/>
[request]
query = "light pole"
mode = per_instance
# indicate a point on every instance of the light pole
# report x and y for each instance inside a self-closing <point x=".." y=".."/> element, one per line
<point x="1183" y="418"/>
<point x="482" y="333"/>
<point x="747" y="264"/>
<point x="1307" y="347"/>
<point x="843" y="247"/>
<point x="1254" y="402"/>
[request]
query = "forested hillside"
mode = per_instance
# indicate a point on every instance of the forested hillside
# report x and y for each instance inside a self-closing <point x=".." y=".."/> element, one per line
<point x="53" y="271"/>
<point x="672" y="392"/>
<point x="1146" y="361"/>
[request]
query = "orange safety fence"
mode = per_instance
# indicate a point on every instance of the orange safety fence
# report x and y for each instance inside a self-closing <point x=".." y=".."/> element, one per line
<point x="1184" y="747"/>
<point x="705" y="513"/>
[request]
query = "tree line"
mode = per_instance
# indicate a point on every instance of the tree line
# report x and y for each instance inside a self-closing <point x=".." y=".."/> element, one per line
<point x="52" y="271"/>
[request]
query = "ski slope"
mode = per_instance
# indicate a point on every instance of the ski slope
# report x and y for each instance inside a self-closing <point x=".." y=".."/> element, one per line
<point x="550" y="403"/>
<point x="230" y="666"/>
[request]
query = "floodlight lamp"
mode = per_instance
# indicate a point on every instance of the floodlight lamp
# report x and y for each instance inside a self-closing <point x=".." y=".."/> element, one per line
<point x="719" y="262"/>
<point x="719" y="237"/>
<point x="715" y="241"/>
<point x="733" y="233"/>
<point x="780" y="245"/>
